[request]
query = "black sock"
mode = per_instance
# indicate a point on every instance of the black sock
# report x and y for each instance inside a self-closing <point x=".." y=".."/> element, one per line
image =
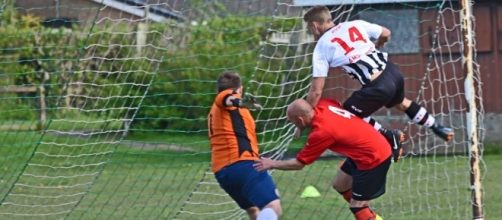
<point x="420" y="115"/>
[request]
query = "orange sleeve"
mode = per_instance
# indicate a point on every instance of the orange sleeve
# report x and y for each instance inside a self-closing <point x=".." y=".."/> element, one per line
<point x="223" y="95"/>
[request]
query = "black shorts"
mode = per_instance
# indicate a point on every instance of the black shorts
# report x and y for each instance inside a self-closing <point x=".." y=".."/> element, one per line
<point x="367" y="184"/>
<point x="386" y="90"/>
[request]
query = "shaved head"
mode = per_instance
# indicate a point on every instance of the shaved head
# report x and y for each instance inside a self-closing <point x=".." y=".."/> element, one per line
<point x="300" y="112"/>
<point x="299" y="107"/>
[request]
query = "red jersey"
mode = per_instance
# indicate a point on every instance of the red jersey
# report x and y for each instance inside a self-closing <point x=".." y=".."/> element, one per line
<point x="340" y="131"/>
<point x="231" y="133"/>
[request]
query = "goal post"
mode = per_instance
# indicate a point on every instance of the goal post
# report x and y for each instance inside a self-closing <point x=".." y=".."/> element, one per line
<point x="473" y="115"/>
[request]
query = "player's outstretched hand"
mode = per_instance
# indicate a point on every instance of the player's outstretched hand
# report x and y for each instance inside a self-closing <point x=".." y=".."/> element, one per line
<point x="263" y="164"/>
<point x="249" y="101"/>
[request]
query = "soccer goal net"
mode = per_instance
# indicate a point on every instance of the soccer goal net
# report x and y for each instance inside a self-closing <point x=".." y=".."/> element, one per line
<point x="104" y="103"/>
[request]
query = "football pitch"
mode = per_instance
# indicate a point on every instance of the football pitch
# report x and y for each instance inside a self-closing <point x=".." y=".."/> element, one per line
<point x="154" y="183"/>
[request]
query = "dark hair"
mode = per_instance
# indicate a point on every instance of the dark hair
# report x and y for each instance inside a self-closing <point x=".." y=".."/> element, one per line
<point x="228" y="80"/>
<point x="319" y="14"/>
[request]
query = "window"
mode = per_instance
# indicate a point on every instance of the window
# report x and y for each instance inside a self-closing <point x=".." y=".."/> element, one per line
<point x="403" y="23"/>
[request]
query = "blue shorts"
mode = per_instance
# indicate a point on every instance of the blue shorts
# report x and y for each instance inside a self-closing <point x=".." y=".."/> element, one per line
<point x="247" y="186"/>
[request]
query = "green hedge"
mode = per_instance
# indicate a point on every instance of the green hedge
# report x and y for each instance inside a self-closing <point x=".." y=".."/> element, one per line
<point x="182" y="71"/>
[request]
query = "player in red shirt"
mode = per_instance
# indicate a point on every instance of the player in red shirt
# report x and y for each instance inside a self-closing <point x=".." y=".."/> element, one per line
<point x="363" y="174"/>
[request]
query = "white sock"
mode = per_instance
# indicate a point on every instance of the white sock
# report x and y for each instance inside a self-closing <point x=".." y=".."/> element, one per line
<point x="267" y="214"/>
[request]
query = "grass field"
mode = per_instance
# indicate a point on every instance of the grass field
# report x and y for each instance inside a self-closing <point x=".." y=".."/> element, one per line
<point x="154" y="182"/>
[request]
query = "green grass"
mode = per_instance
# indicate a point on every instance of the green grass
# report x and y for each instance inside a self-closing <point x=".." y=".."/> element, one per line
<point x="492" y="187"/>
<point x="197" y="142"/>
<point x="131" y="188"/>
<point x="146" y="183"/>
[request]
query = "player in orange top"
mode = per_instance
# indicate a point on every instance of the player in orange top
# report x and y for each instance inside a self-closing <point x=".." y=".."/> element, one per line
<point x="234" y="149"/>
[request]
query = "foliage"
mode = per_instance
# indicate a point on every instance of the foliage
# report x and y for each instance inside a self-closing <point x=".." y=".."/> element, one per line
<point x="99" y="68"/>
<point x="76" y="69"/>
<point x="185" y="84"/>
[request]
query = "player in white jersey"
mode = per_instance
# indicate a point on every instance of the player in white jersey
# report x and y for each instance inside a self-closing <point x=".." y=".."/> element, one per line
<point x="349" y="45"/>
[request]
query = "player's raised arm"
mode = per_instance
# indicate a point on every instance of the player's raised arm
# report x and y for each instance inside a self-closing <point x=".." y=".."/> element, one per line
<point x="248" y="101"/>
<point x="383" y="38"/>
<point x="315" y="91"/>
<point x="320" y="69"/>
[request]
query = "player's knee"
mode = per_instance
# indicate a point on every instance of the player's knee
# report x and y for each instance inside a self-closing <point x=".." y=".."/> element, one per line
<point x="276" y="206"/>
<point x="341" y="185"/>
<point x="404" y="105"/>
<point x="253" y="212"/>
<point x="336" y="186"/>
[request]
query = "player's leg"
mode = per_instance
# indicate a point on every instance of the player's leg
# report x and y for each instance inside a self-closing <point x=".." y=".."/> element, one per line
<point x="419" y="115"/>
<point x="231" y="180"/>
<point x="253" y="212"/>
<point x="342" y="182"/>
<point x="249" y="188"/>
<point x="262" y="192"/>
<point x="366" y="186"/>
<point x="362" y="211"/>
<point x="271" y="211"/>
<point x="415" y="112"/>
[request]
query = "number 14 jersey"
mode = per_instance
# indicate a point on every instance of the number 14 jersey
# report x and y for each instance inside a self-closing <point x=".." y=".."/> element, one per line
<point x="349" y="45"/>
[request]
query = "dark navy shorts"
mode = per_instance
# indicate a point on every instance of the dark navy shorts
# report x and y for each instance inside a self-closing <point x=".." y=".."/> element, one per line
<point x="386" y="90"/>
<point x="367" y="184"/>
<point x="247" y="186"/>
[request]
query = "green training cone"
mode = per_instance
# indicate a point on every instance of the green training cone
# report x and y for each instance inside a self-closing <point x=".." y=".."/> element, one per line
<point x="310" y="192"/>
